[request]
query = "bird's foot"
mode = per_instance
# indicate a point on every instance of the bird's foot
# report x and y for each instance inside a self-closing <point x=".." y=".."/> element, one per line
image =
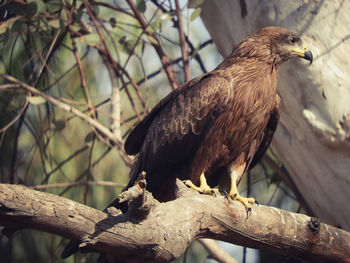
<point x="246" y="201"/>
<point x="203" y="188"/>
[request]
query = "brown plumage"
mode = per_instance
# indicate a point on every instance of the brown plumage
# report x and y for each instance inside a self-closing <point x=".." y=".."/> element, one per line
<point x="220" y="123"/>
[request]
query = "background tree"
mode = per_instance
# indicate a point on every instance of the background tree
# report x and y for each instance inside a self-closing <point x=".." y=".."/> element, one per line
<point x="97" y="68"/>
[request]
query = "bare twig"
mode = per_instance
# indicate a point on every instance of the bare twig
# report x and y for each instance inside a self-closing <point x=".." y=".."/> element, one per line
<point x="288" y="180"/>
<point x="215" y="251"/>
<point x="112" y="7"/>
<point x="185" y="62"/>
<point x="99" y="127"/>
<point x="76" y="153"/>
<point x="82" y="183"/>
<point x="3" y="129"/>
<point x="15" y="145"/>
<point x="133" y="105"/>
<point x="82" y="78"/>
<point x="155" y="73"/>
<point x="47" y="56"/>
<point x="83" y="173"/>
<point x="157" y="46"/>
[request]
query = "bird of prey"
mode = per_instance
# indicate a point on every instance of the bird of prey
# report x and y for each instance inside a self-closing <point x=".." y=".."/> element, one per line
<point x="214" y="128"/>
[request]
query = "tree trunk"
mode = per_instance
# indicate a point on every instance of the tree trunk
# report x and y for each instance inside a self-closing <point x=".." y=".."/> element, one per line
<point x="313" y="136"/>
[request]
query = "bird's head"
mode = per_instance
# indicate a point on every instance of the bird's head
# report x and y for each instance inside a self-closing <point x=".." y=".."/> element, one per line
<point x="288" y="45"/>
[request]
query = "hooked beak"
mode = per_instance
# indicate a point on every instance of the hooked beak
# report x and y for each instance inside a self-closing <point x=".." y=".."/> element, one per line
<point x="304" y="53"/>
<point x="308" y="55"/>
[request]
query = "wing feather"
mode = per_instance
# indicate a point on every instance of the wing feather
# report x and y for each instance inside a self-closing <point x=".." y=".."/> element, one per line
<point x="269" y="132"/>
<point x="175" y="128"/>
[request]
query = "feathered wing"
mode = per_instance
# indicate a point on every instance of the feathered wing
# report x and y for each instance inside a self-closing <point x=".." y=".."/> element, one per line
<point x="269" y="132"/>
<point x="171" y="134"/>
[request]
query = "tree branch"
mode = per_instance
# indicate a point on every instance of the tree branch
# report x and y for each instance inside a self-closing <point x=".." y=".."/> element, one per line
<point x="159" y="232"/>
<point x="185" y="61"/>
<point x="216" y="252"/>
<point x="157" y="46"/>
<point x="70" y="109"/>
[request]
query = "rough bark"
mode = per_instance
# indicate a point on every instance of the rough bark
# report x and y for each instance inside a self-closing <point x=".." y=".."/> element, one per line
<point x="159" y="232"/>
<point x="313" y="136"/>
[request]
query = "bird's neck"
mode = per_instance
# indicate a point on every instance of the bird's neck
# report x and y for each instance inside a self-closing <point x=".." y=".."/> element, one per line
<point x="250" y="69"/>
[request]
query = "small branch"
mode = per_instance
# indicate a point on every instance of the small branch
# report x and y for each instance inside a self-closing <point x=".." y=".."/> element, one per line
<point x="15" y="146"/>
<point x="157" y="46"/>
<point x="216" y="252"/>
<point x="182" y="42"/>
<point x="115" y="98"/>
<point x="84" y="173"/>
<point x="58" y="167"/>
<point x="47" y="56"/>
<point x="281" y="171"/>
<point x="197" y="57"/>
<point x="160" y="232"/>
<point x="98" y="126"/>
<point x="21" y="112"/>
<point x="97" y="183"/>
<point x="82" y="78"/>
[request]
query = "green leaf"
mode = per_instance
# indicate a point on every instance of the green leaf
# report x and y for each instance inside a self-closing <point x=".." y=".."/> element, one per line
<point x="152" y="39"/>
<point x="37" y="100"/>
<point x="90" y="39"/>
<point x="5" y="37"/>
<point x="54" y="23"/>
<point x="141" y="5"/>
<point x="195" y="13"/>
<point x="6" y="24"/>
<point x="17" y="25"/>
<point x="79" y="15"/>
<point x="194" y="3"/>
<point x="155" y="25"/>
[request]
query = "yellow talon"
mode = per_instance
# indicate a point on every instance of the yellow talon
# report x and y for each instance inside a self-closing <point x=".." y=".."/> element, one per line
<point x="203" y="188"/>
<point x="246" y="201"/>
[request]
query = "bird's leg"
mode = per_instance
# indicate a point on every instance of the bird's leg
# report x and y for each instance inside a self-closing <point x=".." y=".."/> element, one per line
<point x="203" y="188"/>
<point x="246" y="201"/>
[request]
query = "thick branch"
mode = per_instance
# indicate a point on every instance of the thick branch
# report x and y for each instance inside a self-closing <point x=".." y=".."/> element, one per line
<point x="159" y="232"/>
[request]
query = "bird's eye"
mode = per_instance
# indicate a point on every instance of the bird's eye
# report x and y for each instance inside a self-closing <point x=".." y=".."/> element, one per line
<point x="293" y="40"/>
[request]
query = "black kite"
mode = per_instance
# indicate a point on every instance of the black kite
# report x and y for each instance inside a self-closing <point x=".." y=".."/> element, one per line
<point x="214" y="128"/>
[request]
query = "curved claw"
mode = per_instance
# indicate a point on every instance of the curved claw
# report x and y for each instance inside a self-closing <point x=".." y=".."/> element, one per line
<point x="203" y="188"/>
<point x="223" y="192"/>
<point x="246" y="201"/>
<point x="249" y="212"/>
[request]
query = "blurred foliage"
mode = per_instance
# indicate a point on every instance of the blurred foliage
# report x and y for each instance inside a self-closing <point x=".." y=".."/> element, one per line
<point x="102" y="58"/>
